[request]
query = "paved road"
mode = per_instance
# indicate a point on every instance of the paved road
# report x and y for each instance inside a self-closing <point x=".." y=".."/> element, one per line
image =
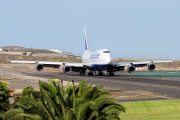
<point x="163" y="85"/>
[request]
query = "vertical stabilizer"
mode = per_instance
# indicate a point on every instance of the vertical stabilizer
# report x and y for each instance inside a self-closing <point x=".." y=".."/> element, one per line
<point x="86" y="41"/>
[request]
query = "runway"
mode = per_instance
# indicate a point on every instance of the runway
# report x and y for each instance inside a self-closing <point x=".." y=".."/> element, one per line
<point x="167" y="86"/>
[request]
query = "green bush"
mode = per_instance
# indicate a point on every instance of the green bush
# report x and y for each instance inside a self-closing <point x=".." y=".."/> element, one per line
<point x="4" y="95"/>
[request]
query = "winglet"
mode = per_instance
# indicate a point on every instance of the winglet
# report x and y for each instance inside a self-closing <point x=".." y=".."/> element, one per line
<point x="86" y="43"/>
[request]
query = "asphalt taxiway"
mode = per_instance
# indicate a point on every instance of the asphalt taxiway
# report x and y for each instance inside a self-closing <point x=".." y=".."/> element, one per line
<point x="168" y="86"/>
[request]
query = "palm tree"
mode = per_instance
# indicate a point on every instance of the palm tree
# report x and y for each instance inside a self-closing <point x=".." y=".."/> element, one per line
<point x="54" y="102"/>
<point x="103" y="106"/>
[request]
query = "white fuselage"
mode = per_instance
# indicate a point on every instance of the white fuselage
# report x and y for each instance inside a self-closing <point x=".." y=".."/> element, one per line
<point x="101" y="57"/>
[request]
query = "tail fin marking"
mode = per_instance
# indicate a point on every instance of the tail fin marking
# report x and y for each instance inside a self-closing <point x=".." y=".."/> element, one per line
<point x="86" y="41"/>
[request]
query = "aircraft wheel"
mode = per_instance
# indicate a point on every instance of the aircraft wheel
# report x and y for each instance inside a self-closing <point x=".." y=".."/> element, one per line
<point x="111" y="74"/>
<point x="91" y="74"/>
<point x="82" y="73"/>
<point x="100" y="74"/>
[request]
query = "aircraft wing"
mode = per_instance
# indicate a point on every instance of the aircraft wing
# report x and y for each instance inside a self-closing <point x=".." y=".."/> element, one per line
<point x="74" y="64"/>
<point x="19" y="61"/>
<point x="52" y="64"/>
<point x="140" y="64"/>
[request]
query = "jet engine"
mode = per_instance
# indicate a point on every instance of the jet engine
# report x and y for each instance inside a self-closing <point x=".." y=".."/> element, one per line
<point x="151" y="67"/>
<point x="67" y="69"/>
<point x="131" y="69"/>
<point x="39" y="67"/>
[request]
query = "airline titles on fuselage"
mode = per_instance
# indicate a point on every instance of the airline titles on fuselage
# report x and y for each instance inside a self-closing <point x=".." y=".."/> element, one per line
<point x="94" y="56"/>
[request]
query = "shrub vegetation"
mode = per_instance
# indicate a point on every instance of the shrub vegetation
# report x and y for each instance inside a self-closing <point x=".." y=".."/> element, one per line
<point x="75" y="102"/>
<point x="4" y="95"/>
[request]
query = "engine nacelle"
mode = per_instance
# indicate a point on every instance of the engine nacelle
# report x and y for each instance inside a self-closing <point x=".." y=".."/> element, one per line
<point x="39" y="67"/>
<point x="66" y="69"/>
<point x="151" y="67"/>
<point x="131" y="69"/>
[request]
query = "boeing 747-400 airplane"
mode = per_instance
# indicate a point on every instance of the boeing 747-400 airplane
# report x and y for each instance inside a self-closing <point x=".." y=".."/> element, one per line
<point x="98" y="62"/>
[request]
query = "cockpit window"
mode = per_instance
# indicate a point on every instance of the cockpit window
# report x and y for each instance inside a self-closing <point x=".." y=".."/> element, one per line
<point x="105" y="51"/>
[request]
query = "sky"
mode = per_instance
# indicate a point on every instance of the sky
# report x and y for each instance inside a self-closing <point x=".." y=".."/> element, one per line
<point x="128" y="28"/>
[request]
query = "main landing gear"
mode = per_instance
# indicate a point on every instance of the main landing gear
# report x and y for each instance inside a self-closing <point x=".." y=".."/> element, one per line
<point x="90" y="74"/>
<point x="111" y="74"/>
<point x="82" y="73"/>
<point x="100" y="74"/>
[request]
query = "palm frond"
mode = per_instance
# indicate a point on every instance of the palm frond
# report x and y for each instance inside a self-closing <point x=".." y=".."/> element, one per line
<point x="12" y="113"/>
<point x="27" y="91"/>
<point x="82" y="109"/>
<point x="113" y="117"/>
<point x="114" y="106"/>
<point x="29" y="116"/>
<point x="69" y="114"/>
<point x="49" y="87"/>
<point x="93" y="115"/>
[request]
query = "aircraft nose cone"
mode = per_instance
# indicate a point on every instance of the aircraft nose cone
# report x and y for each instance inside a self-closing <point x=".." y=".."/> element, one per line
<point x="108" y="60"/>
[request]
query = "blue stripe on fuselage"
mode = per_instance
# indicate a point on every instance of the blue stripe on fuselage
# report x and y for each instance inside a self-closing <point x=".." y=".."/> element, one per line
<point x="98" y="66"/>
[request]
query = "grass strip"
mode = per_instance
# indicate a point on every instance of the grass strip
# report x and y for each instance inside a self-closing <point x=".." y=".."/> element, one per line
<point x="152" y="110"/>
<point x="156" y="74"/>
